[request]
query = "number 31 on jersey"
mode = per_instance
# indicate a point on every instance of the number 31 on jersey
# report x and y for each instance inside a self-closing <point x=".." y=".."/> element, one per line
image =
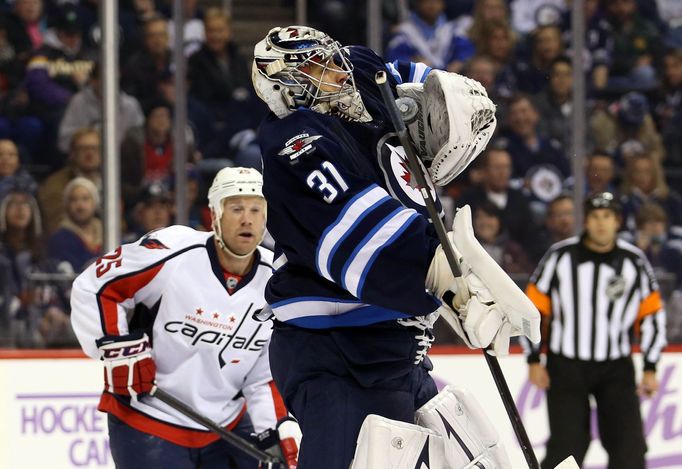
<point x="328" y="185"/>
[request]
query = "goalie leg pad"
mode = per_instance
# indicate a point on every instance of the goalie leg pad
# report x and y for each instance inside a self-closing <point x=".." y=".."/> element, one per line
<point x="512" y="302"/>
<point x="386" y="443"/>
<point x="470" y="439"/>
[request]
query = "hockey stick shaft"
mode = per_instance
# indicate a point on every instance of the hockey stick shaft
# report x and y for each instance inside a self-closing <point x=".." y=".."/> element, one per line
<point x="231" y="438"/>
<point x="416" y="170"/>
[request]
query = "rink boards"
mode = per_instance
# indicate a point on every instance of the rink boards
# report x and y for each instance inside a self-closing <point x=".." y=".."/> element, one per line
<point x="49" y="416"/>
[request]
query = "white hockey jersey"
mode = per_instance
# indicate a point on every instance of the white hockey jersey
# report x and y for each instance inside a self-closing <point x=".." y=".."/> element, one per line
<point x="209" y="351"/>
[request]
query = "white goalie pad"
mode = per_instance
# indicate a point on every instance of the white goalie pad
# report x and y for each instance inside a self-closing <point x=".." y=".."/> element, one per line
<point x="455" y="122"/>
<point x="385" y="443"/>
<point x="568" y="463"/>
<point x="516" y="307"/>
<point x="470" y="440"/>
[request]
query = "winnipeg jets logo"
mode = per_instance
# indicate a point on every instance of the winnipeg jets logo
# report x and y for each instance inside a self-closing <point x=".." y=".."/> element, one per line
<point x="299" y="145"/>
<point x="401" y="183"/>
<point x="407" y="177"/>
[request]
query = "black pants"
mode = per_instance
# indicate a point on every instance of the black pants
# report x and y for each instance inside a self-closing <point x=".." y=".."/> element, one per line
<point x="331" y="380"/>
<point x="612" y="383"/>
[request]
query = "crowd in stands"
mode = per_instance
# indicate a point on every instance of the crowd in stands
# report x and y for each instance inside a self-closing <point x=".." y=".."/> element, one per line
<point x="519" y="189"/>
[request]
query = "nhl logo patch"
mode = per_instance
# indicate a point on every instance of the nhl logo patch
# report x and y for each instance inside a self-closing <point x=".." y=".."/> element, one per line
<point x="231" y="283"/>
<point x="615" y="287"/>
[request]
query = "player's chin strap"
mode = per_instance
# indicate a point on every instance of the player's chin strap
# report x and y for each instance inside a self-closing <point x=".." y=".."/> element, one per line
<point x="223" y="245"/>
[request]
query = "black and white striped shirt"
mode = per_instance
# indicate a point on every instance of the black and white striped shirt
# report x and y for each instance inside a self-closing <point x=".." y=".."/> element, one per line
<point x="596" y="303"/>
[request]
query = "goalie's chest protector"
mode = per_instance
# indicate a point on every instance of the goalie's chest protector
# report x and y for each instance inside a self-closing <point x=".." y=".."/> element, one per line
<point x="378" y="139"/>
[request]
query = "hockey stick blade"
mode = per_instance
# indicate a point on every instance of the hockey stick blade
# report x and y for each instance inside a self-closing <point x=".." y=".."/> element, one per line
<point x="272" y="462"/>
<point x="415" y="168"/>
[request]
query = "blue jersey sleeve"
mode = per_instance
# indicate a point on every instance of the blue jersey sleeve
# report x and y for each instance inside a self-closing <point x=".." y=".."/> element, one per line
<point x="408" y="72"/>
<point x="329" y="215"/>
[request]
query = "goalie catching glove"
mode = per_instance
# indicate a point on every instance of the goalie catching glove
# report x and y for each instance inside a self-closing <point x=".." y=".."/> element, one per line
<point x="454" y="122"/>
<point x="129" y="368"/>
<point x="484" y="306"/>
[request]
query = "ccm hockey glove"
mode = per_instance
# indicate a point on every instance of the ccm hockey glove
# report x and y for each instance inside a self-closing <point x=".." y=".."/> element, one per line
<point x="282" y="441"/>
<point x="129" y="368"/>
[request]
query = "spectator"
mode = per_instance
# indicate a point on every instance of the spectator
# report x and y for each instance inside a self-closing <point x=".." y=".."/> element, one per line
<point x="600" y="173"/>
<point x="21" y="244"/>
<point x="85" y="110"/>
<point x="154" y="210"/>
<point x="486" y="11"/>
<point x="133" y="15"/>
<point x="554" y="104"/>
<point x="147" y="152"/>
<point x="513" y="205"/>
<point x="652" y="237"/>
<point x="626" y="128"/>
<point x="11" y="66"/>
<point x="12" y="175"/>
<point x="598" y="50"/>
<point x="536" y="160"/>
<point x="428" y="37"/>
<point x="482" y="69"/>
<point x="559" y="225"/>
<point x="636" y="48"/>
<point x="25" y="27"/>
<point x="78" y="240"/>
<point x="528" y="15"/>
<point x="669" y="108"/>
<point x="670" y="12"/>
<point x="644" y="182"/>
<point x="147" y="68"/>
<point x="220" y="79"/>
<point x="497" y="40"/>
<point x="489" y="230"/>
<point x="199" y="216"/>
<point x="193" y="34"/>
<point x="20" y="35"/>
<point x="85" y="160"/>
<point x="532" y="74"/>
<point x="58" y="70"/>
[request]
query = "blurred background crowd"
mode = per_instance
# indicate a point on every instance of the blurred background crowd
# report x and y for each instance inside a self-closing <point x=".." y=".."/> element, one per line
<point x="520" y="189"/>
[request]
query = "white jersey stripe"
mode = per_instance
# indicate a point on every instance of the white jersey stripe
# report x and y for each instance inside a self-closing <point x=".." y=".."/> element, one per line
<point x="585" y="279"/>
<point x="313" y="306"/>
<point x="354" y="211"/>
<point x="364" y="254"/>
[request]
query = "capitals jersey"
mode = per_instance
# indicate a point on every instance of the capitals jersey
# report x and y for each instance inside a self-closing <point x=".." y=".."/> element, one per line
<point x="353" y="239"/>
<point x="209" y="351"/>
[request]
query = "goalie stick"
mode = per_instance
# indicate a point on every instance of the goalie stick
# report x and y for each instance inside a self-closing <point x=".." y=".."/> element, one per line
<point x="269" y="461"/>
<point x="415" y="169"/>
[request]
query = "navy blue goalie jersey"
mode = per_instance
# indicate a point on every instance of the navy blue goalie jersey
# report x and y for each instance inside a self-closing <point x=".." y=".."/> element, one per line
<point x="353" y="238"/>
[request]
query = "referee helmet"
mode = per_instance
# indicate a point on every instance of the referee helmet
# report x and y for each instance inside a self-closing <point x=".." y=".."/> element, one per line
<point x="602" y="200"/>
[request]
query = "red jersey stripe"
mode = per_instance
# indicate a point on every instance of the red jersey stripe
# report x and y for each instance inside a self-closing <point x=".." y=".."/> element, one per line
<point x="119" y="290"/>
<point x="280" y="408"/>
<point x="182" y="436"/>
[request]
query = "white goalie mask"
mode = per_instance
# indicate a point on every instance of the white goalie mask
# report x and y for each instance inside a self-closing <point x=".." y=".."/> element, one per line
<point x="232" y="182"/>
<point x="282" y="77"/>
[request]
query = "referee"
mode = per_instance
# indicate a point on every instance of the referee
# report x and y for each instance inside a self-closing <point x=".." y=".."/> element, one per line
<point x="596" y="294"/>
